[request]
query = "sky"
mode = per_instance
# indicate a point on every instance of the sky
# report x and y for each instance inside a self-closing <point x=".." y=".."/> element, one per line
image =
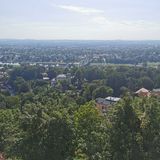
<point x="80" y="19"/>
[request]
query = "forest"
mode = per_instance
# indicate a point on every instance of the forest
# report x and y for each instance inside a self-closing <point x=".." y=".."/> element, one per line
<point x="39" y="121"/>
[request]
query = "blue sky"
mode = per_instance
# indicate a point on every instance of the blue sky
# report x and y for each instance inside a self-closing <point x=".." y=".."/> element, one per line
<point x="80" y="19"/>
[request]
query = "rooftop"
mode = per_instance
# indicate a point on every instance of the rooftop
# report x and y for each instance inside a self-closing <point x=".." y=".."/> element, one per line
<point x="108" y="100"/>
<point x="61" y="76"/>
<point x="45" y="78"/>
<point x="113" y="99"/>
<point x="156" y="90"/>
<point x="142" y="90"/>
<point x="103" y="101"/>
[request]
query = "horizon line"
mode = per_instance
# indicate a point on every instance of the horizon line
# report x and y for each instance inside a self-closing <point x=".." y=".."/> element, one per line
<point x="34" y="39"/>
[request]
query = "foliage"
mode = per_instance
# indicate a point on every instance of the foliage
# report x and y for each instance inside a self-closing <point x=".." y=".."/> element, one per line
<point x="40" y="122"/>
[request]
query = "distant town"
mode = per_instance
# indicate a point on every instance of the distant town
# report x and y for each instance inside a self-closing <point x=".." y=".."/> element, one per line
<point x="79" y="53"/>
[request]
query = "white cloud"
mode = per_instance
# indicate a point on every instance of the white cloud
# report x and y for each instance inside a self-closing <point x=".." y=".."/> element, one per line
<point x="139" y="24"/>
<point x="81" y="10"/>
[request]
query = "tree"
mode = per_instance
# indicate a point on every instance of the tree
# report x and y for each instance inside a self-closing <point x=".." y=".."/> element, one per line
<point x="116" y="81"/>
<point x="91" y="134"/>
<point x="59" y="138"/>
<point x="150" y="128"/>
<point x="94" y="73"/>
<point x="157" y="81"/>
<point x="9" y="125"/>
<point x="20" y="85"/>
<point x="88" y="90"/>
<point x="146" y="82"/>
<point x="48" y="134"/>
<point x="125" y="132"/>
<point x="65" y="85"/>
<point x="2" y="101"/>
<point x="102" y="92"/>
<point x="53" y="72"/>
<point x="78" y="78"/>
<point x="12" y="101"/>
<point x="134" y="132"/>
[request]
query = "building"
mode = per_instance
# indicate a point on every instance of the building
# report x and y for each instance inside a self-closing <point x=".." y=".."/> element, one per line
<point x="103" y="104"/>
<point x="143" y="92"/>
<point x="61" y="77"/>
<point x="112" y="99"/>
<point x="156" y="92"/>
<point x="46" y="78"/>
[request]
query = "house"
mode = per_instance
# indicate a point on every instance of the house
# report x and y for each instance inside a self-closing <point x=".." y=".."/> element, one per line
<point x="113" y="99"/>
<point x="143" y="92"/>
<point x="46" y="78"/>
<point x="61" y="77"/>
<point x="104" y="103"/>
<point x="156" y="92"/>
